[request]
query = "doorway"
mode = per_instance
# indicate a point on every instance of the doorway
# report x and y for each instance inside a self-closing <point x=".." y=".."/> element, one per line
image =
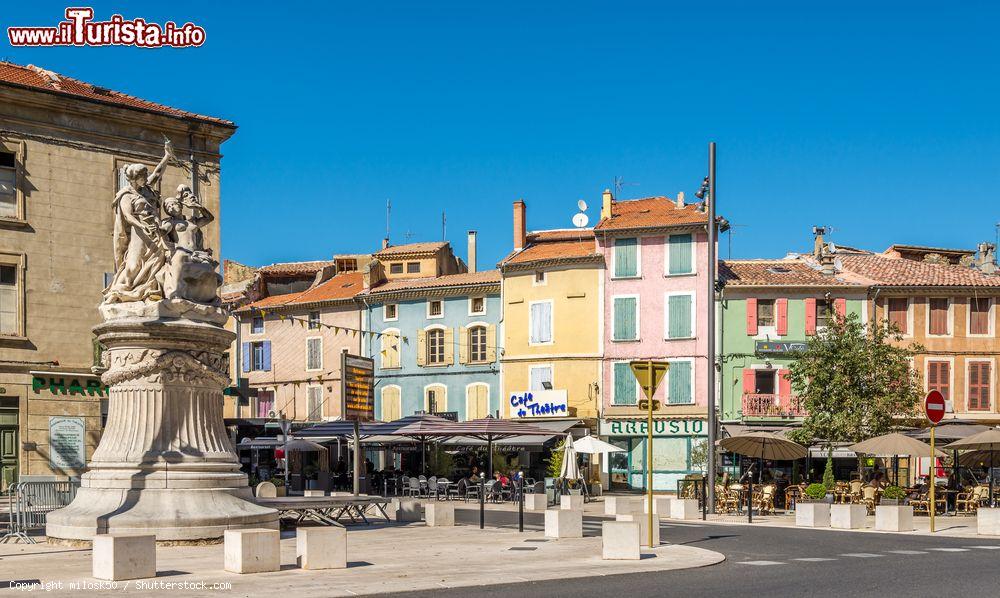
<point x="9" y="446"/>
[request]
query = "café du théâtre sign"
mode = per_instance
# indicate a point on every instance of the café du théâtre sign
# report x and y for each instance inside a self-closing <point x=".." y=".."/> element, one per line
<point x="357" y="387"/>
<point x="539" y="403"/>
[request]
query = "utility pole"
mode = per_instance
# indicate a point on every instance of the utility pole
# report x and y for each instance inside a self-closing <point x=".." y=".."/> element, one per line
<point x="712" y="267"/>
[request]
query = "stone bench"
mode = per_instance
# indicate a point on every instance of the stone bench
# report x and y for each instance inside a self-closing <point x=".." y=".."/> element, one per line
<point x="117" y="557"/>
<point x="620" y="505"/>
<point x="620" y="540"/>
<point x="564" y="523"/>
<point x="439" y="514"/>
<point x="321" y="547"/>
<point x="571" y="501"/>
<point x="642" y="519"/>
<point x="252" y="550"/>
<point x="848" y="516"/>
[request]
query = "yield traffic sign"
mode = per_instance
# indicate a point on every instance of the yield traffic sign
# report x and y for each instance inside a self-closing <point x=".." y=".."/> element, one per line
<point x="649" y="374"/>
<point x="934" y="406"/>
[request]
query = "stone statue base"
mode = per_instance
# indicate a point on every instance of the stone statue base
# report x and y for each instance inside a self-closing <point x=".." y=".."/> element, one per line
<point x="165" y="465"/>
<point x="164" y="309"/>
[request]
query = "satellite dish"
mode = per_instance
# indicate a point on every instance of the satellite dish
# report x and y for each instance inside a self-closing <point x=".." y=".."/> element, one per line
<point x="580" y="220"/>
<point x="582" y="205"/>
<point x="833" y="248"/>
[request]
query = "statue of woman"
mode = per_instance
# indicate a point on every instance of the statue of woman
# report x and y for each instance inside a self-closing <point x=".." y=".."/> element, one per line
<point x="190" y="270"/>
<point x="139" y="249"/>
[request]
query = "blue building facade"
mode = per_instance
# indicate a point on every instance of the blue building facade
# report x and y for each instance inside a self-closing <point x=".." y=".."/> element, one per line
<point x="440" y="348"/>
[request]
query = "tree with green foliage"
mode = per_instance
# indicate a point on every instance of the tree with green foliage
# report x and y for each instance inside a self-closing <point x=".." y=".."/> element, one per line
<point x="828" y="480"/>
<point x="440" y="462"/>
<point x="854" y="381"/>
<point x="554" y="462"/>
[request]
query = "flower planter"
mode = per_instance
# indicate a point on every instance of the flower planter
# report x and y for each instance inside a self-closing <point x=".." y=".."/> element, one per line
<point x="848" y="516"/>
<point x="894" y="518"/>
<point x="988" y="521"/>
<point x="812" y="514"/>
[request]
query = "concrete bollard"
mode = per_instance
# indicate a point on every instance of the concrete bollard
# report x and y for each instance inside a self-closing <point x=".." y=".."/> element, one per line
<point x="571" y="501"/>
<point x="439" y="514"/>
<point x="120" y="557"/>
<point x="620" y="540"/>
<point x="988" y="521"/>
<point x="321" y="547"/>
<point x="897" y="518"/>
<point x="643" y="520"/>
<point x="313" y="493"/>
<point x="684" y="509"/>
<point x="661" y="505"/>
<point x="535" y="502"/>
<point x="621" y="505"/>
<point x="408" y="510"/>
<point x="812" y="514"/>
<point x="564" y="523"/>
<point x="254" y="550"/>
<point x="848" y="516"/>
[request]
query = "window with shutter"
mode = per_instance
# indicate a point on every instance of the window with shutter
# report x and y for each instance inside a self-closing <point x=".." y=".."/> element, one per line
<point x="390" y="349"/>
<point x="979" y="385"/>
<point x="391" y="407"/>
<point x="477" y="344"/>
<point x="679" y="383"/>
<point x="8" y="185"/>
<point x="681" y="250"/>
<point x="626" y="315"/>
<point x="898" y="308"/>
<point x="435" y="347"/>
<point x="939" y="378"/>
<point x="257" y="357"/>
<point x="314" y="320"/>
<point x="314" y="400"/>
<point x="624" y="384"/>
<point x="541" y="322"/>
<point x="626" y="258"/>
<point x="538" y="376"/>
<point x="765" y="312"/>
<point x="979" y="315"/>
<point x="314" y="354"/>
<point x="680" y="316"/>
<point x="938" y="316"/>
<point x="257" y="325"/>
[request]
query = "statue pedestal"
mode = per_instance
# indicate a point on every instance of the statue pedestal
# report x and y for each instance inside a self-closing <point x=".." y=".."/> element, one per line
<point x="165" y="465"/>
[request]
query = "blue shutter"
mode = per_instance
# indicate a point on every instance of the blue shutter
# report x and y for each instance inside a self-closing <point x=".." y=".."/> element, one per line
<point x="246" y="357"/>
<point x="679" y="311"/>
<point x="625" y="319"/>
<point x="624" y="382"/>
<point x="267" y="356"/>
<point x="680" y="255"/>
<point x="626" y="254"/>
<point x="679" y="385"/>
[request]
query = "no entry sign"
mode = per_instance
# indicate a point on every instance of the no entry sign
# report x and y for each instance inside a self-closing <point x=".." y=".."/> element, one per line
<point x="934" y="406"/>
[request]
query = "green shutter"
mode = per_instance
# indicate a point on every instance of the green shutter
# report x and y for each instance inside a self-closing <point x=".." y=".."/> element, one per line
<point x="624" y="384"/>
<point x="679" y="311"/>
<point x="679" y="383"/>
<point x="626" y="262"/>
<point x="680" y="254"/>
<point x="625" y="319"/>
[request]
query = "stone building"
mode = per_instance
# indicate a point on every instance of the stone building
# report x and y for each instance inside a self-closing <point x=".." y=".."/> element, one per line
<point x="63" y="145"/>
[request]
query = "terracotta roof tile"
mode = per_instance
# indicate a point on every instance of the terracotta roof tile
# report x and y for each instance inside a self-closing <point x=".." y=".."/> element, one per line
<point x="888" y="271"/>
<point x="556" y="245"/>
<point x="296" y="268"/>
<point x="338" y="288"/>
<point x="37" y="78"/>
<point x="650" y="212"/>
<point x="785" y="273"/>
<point x="411" y="248"/>
<point x="484" y="277"/>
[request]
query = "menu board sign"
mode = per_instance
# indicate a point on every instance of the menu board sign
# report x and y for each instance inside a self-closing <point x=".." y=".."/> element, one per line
<point x="357" y="387"/>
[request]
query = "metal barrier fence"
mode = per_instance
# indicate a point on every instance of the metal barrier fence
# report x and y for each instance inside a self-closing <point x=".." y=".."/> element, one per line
<point x="30" y="502"/>
<point x="696" y="489"/>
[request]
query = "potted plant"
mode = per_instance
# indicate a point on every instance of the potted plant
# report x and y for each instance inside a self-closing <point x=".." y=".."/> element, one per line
<point x="279" y="485"/>
<point x="893" y="495"/>
<point x="891" y="515"/>
<point x="813" y="510"/>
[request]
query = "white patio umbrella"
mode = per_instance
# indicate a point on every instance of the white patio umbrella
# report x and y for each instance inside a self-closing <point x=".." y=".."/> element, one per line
<point x="570" y="468"/>
<point x="593" y="445"/>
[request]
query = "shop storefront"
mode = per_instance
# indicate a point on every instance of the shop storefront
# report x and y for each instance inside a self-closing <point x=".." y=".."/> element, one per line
<point x="678" y="449"/>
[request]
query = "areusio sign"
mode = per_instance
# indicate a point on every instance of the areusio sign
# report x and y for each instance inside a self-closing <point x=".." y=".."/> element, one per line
<point x="539" y="403"/>
<point x="661" y="427"/>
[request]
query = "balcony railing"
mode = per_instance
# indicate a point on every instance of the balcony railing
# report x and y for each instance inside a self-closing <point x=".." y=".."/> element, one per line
<point x="771" y="405"/>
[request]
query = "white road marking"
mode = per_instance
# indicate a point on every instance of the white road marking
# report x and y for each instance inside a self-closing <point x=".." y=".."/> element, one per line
<point x="907" y="551"/>
<point x="760" y="563"/>
<point x="985" y="547"/>
<point x="950" y="549"/>
<point x="862" y="555"/>
<point x="813" y="560"/>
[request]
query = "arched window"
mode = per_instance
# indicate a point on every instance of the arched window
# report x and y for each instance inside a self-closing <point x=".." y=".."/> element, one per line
<point x="435" y="346"/>
<point x="477" y="344"/>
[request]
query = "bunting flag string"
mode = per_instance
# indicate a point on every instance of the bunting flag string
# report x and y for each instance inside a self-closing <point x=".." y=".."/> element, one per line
<point x="304" y="322"/>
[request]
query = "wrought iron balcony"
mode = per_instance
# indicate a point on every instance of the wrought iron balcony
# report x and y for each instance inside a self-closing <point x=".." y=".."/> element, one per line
<point x="772" y="405"/>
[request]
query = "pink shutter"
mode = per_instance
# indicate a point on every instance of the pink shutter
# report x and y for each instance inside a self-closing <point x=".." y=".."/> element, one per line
<point x="751" y="318"/>
<point x="840" y="306"/>
<point x="810" y="316"/>
<point x="784" y="384"/>
<point x="749" y="381"/>
<point x="781" y="305"/>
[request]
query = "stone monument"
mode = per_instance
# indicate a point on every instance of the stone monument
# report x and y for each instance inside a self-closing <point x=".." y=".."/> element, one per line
<point x="165" y="465"/>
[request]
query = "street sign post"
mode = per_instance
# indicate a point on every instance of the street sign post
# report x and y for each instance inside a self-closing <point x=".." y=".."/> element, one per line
<point x="649" y="374"/>
<point x="934" y="408"/>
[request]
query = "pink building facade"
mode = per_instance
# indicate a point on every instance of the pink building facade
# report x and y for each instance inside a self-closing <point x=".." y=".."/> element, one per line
<point x="655" y="307"/>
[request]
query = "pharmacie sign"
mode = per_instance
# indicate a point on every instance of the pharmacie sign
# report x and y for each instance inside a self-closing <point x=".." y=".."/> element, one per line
<point x="539" y="403"/>
<point x="661" y="427"/>
<point x="68" y="385"/>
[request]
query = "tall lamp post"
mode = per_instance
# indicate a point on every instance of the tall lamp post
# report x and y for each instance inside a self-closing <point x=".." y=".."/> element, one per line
<point x="708" y="189"/>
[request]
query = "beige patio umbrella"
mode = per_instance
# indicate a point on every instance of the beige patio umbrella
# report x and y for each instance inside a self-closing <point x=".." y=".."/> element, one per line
<point x="894" y="445"/>
<point x="763" y="445"/>
<point x="987" y="442"/>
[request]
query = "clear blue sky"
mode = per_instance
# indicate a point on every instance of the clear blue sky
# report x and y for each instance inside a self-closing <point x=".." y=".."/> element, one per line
<point x="878" y="119"/>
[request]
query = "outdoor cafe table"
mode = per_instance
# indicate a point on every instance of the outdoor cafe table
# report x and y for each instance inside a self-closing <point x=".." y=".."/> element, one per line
<point x="326" y="510"/>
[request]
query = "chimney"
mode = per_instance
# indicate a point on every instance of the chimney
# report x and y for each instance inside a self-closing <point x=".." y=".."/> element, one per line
<point x="520" y="225"/>
<point x="818" y="232"/>
<point x="385" y="243"/>
<point x="822" y="253"/>
<point x="987" y="261"/>
<point x="606" y="199"/>
<point x="680" y="199"/>
<point x="472" y="251"/>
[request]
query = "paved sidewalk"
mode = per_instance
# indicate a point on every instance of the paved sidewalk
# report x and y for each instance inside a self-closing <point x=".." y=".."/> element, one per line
<point x="382" y="558"/>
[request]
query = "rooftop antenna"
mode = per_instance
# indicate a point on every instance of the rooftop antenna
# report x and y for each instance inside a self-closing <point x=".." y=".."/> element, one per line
<point x="407" y="235"/>
<point x="731" y="227"/>
<point x="444" y="226"/>
<point x="388" y="212"/>
<point x="620" y="182"/>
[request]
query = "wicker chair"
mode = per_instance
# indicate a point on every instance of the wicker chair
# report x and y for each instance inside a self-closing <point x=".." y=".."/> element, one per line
<point x="969" y="502"/>
<point x="922" y="503"/>
<point x="763" y="501"/>
<point x="855" y="488"/>
<point x="726" y="500"/>
<point x="868" y="498"/>
<point x="792" y="496"/>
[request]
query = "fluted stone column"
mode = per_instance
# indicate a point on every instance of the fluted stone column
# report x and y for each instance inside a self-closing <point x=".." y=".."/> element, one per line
<point x="164" y="464"/>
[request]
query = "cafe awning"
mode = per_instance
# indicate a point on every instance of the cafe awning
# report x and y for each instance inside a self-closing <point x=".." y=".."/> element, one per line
<point x="536" y="442"/>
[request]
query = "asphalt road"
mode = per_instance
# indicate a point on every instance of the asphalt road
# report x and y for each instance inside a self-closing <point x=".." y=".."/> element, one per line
<point x="767" y="561"/>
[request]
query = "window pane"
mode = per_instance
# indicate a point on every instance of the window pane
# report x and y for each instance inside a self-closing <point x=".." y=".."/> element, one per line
<point x="257" y="325"/>
<point x="679" y="388"/>
<point x="541" y="322"/>
<point x="670" y="454"/>
<point x="315" y="406"/>
<point x="8" y="309"/>
<point x="938" y="316"/>
<point x="8" y="196"/>
<point x="679" y="311"/>
<point x="413" y="267"/>
<point x="395" y="268"/>
<point x="624" y="383"/>
<point x="314" y="347"/>
<point x="824" y="312"/>
<point x="681" y="261"/>
<point x="477" y="344"/>
<point x="538" y="376"/>
<point x="897" y="314"/>
<point x="626" y="263"/>
<point x="625" y="319"/>
<point x="435" y="346"/>
<point x="979" y="320"/>
<point x="765" y="312"/>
